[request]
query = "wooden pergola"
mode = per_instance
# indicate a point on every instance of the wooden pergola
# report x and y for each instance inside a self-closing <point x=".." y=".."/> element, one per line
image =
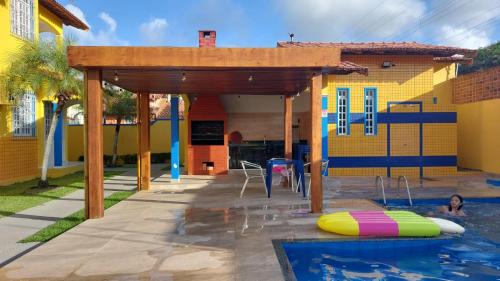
<point x="197" y="71"/>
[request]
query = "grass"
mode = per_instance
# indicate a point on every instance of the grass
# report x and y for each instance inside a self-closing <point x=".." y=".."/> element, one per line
<point x="24" y="195"/>
<point x="72" y="220"/>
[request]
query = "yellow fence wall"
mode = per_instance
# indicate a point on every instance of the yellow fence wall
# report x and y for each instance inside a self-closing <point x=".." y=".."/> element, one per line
<point x="479" y="135"/>
<point x="127" y="142"/>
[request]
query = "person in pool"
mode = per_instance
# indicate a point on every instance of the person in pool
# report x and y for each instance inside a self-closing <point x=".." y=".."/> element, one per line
<point x="455" y="206"/>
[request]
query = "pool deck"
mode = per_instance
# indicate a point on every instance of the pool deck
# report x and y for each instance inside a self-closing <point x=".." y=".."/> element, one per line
<point x="202" y="230"/>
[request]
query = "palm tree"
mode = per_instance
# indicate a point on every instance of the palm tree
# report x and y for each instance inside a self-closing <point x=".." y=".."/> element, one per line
<point x="120" y="104"/>
<point x="43" y="66"/>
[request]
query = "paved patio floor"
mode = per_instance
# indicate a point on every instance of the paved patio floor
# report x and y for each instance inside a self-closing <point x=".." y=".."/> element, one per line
<point x="202" y="230"/>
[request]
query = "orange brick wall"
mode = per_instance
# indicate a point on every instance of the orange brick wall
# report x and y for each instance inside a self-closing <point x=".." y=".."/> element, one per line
<point x="207" y="108"/>
<point x="478" y="86"/>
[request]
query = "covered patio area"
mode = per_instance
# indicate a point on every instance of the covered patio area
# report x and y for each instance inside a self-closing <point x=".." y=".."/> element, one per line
<point x="199" y="73"/>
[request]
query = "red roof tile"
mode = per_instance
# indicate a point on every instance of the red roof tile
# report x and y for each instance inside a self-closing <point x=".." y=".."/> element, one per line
<point x="67" y="17"/>
<point x="346" y="67"/>
<point x="374" y="48"/>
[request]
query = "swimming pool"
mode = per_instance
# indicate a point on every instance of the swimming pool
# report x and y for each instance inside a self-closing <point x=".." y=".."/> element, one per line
<point x="473" y="256"/>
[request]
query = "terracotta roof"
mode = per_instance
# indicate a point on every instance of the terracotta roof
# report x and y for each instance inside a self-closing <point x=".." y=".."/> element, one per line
<point x="454" y="59"/>
<point x="383" y="48"/>
<point x="66" y="16"/>
<point x="346" y="67"/>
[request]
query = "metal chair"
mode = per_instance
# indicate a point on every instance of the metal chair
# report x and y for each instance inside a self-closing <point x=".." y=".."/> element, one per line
<point x="251" y="171"/>
<point x="324" y="171"/>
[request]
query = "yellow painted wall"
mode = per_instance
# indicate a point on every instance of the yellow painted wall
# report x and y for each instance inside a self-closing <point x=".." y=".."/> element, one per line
<point x="479" y="135"/>
<point x="127" y="142"/>
<point x="413" y="78"/>
<point x="20" y="157"/>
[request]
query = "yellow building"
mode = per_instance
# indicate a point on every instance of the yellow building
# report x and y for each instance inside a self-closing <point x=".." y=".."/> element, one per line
<point x="23" y="126"/>
<point x="399" y="118"/>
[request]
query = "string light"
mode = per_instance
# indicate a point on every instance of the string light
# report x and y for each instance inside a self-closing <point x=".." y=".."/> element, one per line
<point x="116" y="77"/>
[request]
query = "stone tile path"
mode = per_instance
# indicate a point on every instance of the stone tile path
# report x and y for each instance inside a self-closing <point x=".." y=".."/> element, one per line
<point x="23" y="224"/>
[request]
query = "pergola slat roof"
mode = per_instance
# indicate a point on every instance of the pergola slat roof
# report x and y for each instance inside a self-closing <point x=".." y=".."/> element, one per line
<point x="258" y="71"/>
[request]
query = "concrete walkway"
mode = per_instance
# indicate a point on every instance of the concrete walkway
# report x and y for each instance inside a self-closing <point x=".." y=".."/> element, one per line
<point x="23" y="224"/>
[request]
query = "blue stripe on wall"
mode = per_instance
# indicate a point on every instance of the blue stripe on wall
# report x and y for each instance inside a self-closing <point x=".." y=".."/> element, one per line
<point x="402" y="117"/>
<point x="393" y="161"/>
<point x="324" y="128"/>
<point x="58" y="140"/>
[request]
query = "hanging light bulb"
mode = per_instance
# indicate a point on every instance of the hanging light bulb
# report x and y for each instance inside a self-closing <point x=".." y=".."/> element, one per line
<point x="250" y="78"/>
<point x="116" y="77"/>
<point x="183" y="77"/>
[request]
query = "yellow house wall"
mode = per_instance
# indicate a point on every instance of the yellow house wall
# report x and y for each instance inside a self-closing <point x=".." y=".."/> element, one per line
<point x="127" y="142"/>
<point x="479" y="135"/>
<point x="413" y="78"/>
<point x="21" y="157"/>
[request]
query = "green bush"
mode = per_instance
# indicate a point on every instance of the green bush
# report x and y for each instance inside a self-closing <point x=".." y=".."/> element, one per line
<point x="156" y="158"/>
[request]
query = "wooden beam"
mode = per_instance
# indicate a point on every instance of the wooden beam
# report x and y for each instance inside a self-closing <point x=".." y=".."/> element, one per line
<point x="93" y="142"/>
<point x="181" y="57"/>
<point x="144" y="151"/>
<point x="315" y="144"/>
<point x="288" y="127"/>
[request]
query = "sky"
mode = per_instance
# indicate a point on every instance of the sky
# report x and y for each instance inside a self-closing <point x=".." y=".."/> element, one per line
<point x="261" y="23"/>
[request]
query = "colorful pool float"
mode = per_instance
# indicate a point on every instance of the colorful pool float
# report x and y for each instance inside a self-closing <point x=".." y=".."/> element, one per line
<point x="378" y="223"/>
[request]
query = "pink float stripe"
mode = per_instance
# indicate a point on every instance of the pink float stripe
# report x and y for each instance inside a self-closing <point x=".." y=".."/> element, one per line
<point x="375" y="223"/>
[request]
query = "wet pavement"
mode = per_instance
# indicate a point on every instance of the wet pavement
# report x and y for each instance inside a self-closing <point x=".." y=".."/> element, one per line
<point x="201" y="229"/>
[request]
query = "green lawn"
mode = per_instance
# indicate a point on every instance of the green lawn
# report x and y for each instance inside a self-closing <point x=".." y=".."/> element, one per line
<point x="72" y="220"/>
<point x="24" y="195"/>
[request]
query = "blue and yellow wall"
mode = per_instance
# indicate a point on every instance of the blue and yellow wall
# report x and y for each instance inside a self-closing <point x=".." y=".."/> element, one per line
<point x="416" y="130"/>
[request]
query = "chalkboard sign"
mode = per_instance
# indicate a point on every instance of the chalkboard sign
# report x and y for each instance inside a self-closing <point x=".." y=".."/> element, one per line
<point x="207" y="132"/>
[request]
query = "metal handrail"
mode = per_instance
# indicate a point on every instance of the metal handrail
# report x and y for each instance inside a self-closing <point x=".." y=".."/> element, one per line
<point x="407" y="188"/>
<point x="381" y="180"/>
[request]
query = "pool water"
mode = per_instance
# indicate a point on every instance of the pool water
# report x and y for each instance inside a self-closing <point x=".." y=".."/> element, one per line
<point x="475" y="255"/>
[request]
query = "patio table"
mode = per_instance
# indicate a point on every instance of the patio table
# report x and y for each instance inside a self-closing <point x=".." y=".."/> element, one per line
<point x="298" y="166"/>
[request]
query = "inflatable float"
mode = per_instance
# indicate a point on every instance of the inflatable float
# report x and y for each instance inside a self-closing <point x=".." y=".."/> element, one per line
<point x="383" y="224"/>
<point x="447" y="226"/>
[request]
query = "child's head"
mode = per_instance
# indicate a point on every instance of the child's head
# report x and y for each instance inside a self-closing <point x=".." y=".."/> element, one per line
<point x="456" y="202"/>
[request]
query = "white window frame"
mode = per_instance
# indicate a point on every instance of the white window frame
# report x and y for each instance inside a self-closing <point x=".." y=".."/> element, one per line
<point x="343" y="111"/>
<point x="370" y="108"/>
<point x="21" y="19"/>
<point x="23" y="116"/>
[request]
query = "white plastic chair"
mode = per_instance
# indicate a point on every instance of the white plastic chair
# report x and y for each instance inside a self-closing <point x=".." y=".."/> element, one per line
<point x="251" y="171"/>
<point x="324" y="169"/>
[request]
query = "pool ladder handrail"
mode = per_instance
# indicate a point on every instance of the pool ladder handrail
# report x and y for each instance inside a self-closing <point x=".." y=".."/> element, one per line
<point x="381" y="180"/>
<point x="407" y="188"/>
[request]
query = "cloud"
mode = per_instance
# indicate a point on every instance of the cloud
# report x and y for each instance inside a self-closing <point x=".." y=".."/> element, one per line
<point x="154" y="31"/>
<point x="109" y="21"/>
<point x="355" y="20"/>
<point x="462" y="23"/>
<point x="465" y="38"/>
<point x="102" y="37"/>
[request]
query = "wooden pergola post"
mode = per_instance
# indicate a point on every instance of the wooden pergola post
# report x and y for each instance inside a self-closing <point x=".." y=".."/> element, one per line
<point x="315" y="144"/>
<point x="93" y="142"/>
<point x="143" y="145"/>
<point x="288" y="127"/>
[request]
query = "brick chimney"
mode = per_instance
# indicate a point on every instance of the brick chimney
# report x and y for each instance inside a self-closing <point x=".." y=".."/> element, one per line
<point x="206" y="38"/>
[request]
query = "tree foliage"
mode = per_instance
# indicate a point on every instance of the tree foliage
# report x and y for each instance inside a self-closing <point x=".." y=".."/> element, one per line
<point x="486" y="58"/>
<point x="118" y="102"/>
<point x="43" y="65"/>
